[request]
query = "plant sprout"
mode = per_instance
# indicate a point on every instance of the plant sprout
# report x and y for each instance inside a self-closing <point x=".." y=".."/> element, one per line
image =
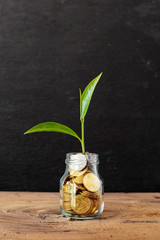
<point x="85" y="99"/>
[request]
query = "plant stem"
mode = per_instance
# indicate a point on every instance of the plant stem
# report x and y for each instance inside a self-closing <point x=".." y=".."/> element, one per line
<point x="82" y="131"/>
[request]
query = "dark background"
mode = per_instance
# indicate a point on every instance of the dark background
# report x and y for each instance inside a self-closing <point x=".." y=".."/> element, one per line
<point x="48" y="50"/>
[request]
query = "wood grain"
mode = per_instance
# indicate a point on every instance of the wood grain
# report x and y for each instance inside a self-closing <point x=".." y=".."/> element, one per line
<point x="34" y="215"/>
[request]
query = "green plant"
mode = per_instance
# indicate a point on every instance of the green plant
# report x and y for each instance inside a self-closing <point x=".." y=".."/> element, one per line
<point x="85" y="99"/>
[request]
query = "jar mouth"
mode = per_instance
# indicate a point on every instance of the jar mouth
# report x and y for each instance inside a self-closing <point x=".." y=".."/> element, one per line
<point x="87" y="157"/>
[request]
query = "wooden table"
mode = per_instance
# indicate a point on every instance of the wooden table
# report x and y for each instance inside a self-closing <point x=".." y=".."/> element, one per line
<point x="26" y="215"/>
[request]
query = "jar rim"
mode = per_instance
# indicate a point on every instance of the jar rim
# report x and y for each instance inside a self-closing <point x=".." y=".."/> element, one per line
<point x="90" y="157"/>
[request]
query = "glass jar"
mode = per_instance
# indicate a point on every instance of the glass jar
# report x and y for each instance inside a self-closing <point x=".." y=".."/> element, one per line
<point x="81" y="188"/>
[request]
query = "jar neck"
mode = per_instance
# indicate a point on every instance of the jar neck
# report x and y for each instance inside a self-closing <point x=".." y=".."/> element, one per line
<point x="79" y="158"/>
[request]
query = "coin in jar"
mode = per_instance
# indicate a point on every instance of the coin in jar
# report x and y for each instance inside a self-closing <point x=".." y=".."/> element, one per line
<point x="77" y="173"/>
<point x="81" y="187"/>
<point x="91" y="182"/>
<point x="69" y="187"/>
<point x="80" y="204"/>
<point x="78" y="180"/>
<point x="66" y="205"/>
<point x="66" y="197"/>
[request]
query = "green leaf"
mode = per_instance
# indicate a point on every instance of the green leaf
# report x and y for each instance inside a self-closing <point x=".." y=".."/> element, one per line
<point x="87" y="95"/>
<point x="80" y="101"/>
<point x="52" y="127"/>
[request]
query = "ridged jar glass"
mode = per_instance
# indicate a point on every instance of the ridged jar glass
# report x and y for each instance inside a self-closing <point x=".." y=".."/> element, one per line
<point x="81" y="187"/>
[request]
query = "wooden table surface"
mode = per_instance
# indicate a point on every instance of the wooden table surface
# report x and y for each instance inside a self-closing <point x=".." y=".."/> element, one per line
<point x="34" y="215"/>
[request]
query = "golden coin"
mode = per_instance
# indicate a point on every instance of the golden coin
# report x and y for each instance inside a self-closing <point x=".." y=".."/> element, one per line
<point x="77" y="173"/>
<point x="67" y="178"/>
<point x="86" y="193"/>
<point x="96" y="194"/>
<point x="93" y="195"/>
<point x="66" y="205"/>
<point x="94" y="207"/>
<point x="80" y="204"/>
<point x="81" y="187"/>
<point x="69" y="187"/>
<point x="78" y="180"/>
<point x="99" y="201"/>
<point x="90" y="210"/>
<point x="93" y="210"/>
<point x="66" y="197"/>
<point x="91" y="182"/>
<point x="69" y="211"/>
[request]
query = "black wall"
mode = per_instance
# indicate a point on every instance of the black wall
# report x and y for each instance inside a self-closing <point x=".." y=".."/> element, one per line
<point x="48" y="50"/>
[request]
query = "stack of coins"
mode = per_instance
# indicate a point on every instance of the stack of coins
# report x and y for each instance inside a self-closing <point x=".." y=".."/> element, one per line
<point x="68" y="190"/>
<point x="81" y="192"/>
